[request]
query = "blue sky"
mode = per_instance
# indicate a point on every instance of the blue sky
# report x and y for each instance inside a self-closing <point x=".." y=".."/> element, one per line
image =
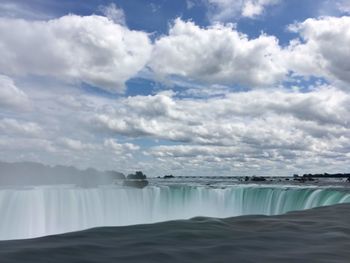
<point x="184" y="87"/>
<point x="155" y="16"/>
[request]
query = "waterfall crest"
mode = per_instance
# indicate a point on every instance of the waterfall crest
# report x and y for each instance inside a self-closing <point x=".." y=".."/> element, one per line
<point x="40" y="211"/>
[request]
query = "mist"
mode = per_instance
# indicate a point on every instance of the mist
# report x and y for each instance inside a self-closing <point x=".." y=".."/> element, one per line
<point x="36" y="174"/>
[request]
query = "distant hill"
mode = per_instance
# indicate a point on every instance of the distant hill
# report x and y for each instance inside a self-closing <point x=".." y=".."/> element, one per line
<point x="29" y="173"/>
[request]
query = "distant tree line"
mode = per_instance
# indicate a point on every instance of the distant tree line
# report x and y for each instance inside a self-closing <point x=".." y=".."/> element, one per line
<point x="138" y="175"/>
<point x="136" y="180"/>
<point x="325" y="175"/>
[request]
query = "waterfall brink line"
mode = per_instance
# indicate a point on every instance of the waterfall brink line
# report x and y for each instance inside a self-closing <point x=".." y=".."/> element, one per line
<point x="40" y="211"/>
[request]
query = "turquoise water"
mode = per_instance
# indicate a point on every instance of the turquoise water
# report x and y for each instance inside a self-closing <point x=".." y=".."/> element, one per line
<point x="40" y="211"/>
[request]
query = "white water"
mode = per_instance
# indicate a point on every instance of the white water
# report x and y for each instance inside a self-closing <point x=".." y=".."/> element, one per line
<point x="40" y="211"/>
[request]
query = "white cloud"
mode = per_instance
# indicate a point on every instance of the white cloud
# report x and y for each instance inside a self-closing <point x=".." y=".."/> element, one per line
<point x="225" y="10"/>
<point x="270" y="129"/>
<point x="123" y="151"/>
<point x="221" y="55"/>
<point x="13" y="126"/>
<point x="77" y="145"/>
<point x="344" y="6"/>
<point x="120" y="147"/>
<point x="11" y="96"/>
<point x="114" y="13"/>
<point x="92" y="49"/>
<point x="275" y="120"/>
<point x="218" y="54"/>
<point x="253" y="8"/>
<point x="20" y="145"/>
<point x="255" y="130"/>
<point x="13" y="9"/>
<point x="245" y="131"/>
<point x="324" y="50"/>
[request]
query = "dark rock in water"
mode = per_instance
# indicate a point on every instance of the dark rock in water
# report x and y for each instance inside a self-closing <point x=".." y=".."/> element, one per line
<point x="135" y="183"/>
<point x="170" y="176"/>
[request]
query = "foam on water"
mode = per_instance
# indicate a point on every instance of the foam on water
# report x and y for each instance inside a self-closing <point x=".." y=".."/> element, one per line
<point x="40" y="211"/>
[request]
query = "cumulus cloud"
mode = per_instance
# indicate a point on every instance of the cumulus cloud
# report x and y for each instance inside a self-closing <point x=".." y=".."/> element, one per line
<point x="324" y="49"/>
<point x="11" y="96"/>
<point x="103" y="53"/>
<point x="221" y="55"/>
<point x="203" y="127"/>
<point x="253" y="8"/>
<point x="91" y="49"/>
<point x="224" y="10"/>
<point x="217" y="54"/>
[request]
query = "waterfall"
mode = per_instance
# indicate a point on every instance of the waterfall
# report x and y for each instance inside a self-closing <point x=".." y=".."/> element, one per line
<point x="40" y="211"/>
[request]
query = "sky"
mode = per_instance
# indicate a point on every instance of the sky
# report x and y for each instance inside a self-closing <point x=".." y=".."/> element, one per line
<point x="186" y="87"/>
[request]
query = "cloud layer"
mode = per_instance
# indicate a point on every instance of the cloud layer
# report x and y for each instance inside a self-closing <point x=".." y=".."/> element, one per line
<point x="244" y="104"/>
<point x="248" y="127"/>
<point x="11" y="96"/>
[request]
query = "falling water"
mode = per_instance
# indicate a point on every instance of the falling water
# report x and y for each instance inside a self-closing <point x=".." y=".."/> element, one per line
<point x="40" y="211"/>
